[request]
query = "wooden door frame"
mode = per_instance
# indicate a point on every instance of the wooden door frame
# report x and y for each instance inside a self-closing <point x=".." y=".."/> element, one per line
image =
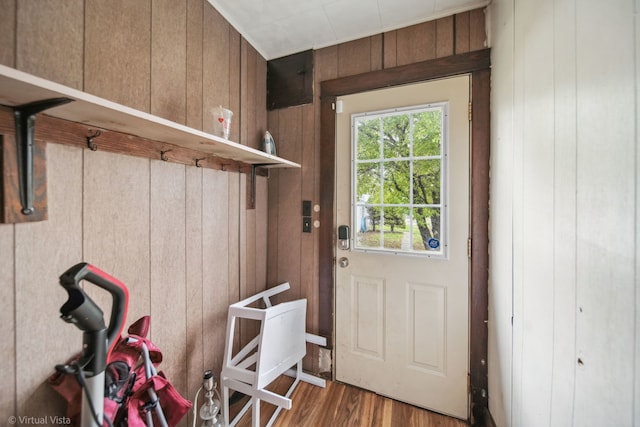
<point x="477" y="64"/>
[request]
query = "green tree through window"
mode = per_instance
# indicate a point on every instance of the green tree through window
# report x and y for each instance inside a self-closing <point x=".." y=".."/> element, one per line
<point x="398" y="170"/>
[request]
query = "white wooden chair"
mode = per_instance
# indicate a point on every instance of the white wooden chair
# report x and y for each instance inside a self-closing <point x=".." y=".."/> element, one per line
<point x="279" y="346"/>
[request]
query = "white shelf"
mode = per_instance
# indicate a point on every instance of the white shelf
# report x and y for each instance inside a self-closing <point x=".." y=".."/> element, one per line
<point x="17" y="88"/>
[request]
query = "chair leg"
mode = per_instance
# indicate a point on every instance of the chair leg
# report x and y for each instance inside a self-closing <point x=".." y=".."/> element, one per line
<point x="255" y="412"/>
<point x="225" y="400"/>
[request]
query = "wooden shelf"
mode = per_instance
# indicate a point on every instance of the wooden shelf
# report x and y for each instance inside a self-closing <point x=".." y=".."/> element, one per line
<point x="18" y="88"/>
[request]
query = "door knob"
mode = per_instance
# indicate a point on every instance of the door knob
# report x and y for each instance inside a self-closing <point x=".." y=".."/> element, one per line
<point x="343" y="262"/>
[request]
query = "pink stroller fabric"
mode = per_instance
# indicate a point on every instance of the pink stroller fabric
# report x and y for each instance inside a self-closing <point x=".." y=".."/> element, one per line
<point x="126" y="397"/>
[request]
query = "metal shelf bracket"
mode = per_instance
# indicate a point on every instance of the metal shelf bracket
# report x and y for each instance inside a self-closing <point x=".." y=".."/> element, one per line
<point x="252" y="190"/>
<point x="24" y="116"/>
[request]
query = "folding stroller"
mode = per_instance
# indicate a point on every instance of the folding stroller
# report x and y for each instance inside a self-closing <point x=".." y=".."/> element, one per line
<point x="114" y="380"/>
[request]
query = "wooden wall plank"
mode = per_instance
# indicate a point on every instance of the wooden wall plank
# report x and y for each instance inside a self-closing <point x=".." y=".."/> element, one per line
<point x="325" y="65"/>
<point x="377" y="53"/>
<point x="247" y="251"/>
<point x="260" y="103"/>
<point x="517" y="257"/>
<point x="537" y="209"/>
<point x="59" y="242"/>
<point x="7" y="320"/>
<point x="354" y="57"/>
<point x="237" y="69"/>
<point x="260" y="248"/>
<point x="215" y="265"/>
<point x="462" y="32"/>
<point x="309" y="241"/>
<point x="50" y="40"/>
<point x="289" y="229"/>
<point x="477" y="33"/>
<point x="416" y="43"/>
<point x="390" y="56"/>
<point x="254" y="130"/>
<point x="117" y="52"/>
<point x="503" y="167"/>
<point x="289" y="202"/>
<point x="307" y="154"/>
<point x="168" y="290"/>
<point x="116" y="223"/>
<point x="195" y="345"/>
<point x="565" y="239"/>
<point x="168" y="59"/>
<point x="636" y="408"/>
<point x="194" y="102"/>
<point x="274" y="204"/>
<point x="235" y="245"/>
<point x="215" y="64"/>
<point x="444" y="36"/>
<point x="637" y="227"/>
<point x="606" y="207"/>
<point x="325" y="68"/>
<point x="246" y="91"/>
<point x="8" y="33"/>
<point x="261" y="241"/>
<point x="254" y="237"/>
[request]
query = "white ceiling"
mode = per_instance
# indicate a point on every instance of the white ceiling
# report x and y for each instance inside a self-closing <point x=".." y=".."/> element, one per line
<point x="278" y="28"/>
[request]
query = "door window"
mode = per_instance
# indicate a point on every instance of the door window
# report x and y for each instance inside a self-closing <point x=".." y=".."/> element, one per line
<point x="398" y="178"/>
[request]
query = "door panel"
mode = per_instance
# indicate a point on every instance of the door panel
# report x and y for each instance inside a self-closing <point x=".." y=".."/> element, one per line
<point x="402" y="319"/>
<point x="368" y="316"/>
<point x="427" y="345"/>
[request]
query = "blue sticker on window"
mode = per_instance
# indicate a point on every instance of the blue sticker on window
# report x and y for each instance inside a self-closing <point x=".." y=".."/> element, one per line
<point x="434" y="243"/>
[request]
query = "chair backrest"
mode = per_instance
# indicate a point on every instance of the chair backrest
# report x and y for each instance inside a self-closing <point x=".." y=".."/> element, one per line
<point x="282" y="340"/>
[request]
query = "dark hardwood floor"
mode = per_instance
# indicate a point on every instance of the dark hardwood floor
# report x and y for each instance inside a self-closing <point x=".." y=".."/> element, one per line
<point x="343" y="405"/>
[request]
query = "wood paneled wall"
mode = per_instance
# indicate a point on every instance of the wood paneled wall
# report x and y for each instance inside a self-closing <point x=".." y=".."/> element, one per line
<point x="564" y="319"/>
<point x="176" y="60"/>
<point x="178" y="236"/>
<point x="293" y="255"/>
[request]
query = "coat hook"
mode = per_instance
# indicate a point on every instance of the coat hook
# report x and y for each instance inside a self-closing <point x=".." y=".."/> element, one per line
<point x="90" y="137"/>
<point x="198" y="165"/>
<point x="163" y="156"/>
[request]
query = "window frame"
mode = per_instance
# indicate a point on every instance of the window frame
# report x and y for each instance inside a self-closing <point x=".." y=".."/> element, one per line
<point x="442" y="252"/>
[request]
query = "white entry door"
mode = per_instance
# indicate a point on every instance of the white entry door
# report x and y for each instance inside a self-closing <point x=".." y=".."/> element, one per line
<point x="402" y="285"/>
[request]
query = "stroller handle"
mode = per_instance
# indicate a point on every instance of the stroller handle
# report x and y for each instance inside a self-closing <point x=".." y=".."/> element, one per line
<point x="83" y="312"/>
